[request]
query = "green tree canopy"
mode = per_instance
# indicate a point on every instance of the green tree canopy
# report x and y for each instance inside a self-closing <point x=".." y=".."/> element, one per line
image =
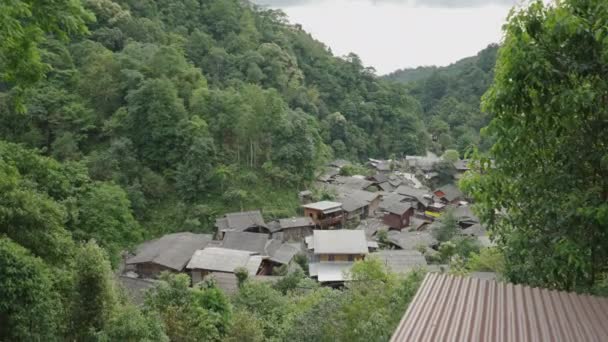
<point x="29" y="308"/>
<point x="545" y="198"/>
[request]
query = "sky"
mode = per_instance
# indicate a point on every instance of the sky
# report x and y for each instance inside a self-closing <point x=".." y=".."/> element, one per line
<point x="394" y="34"/>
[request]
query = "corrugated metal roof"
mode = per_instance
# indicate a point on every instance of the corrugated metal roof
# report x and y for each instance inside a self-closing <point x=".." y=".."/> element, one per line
<point x="451" y="308"/>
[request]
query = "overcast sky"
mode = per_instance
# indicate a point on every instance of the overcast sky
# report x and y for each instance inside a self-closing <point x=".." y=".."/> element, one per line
<point x="394" y="34"/>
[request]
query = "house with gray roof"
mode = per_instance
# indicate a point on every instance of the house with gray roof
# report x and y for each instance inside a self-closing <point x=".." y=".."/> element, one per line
<point x="390" y="199"/>
<point x="358" y="203"/>
<point x="248" y="221"/>
<point x="325" y="214"/>
<point x="411" y="240"/>
<point x="465" y="216"/>
<point x="379" y="178"/>
<point x="280" y="253"/>
<point x="293" y="229"/>
<point x="353" y="182"/>
<point x="168" y="253"/>
<point x="333" y="252"/>
<point x="449" y="193"/>
<point x="398" y="215"/>
<point x="386" y="186"/>
<point x="331" y="272"/>
<point x="400" y="261"/>
<point x="423" y="197"/>
<point x="381" y="166"/>
<point x="245" y="241"/>
<point x="223" y="260"/>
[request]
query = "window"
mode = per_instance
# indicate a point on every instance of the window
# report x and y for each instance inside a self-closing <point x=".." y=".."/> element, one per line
<point x="331" y="257"/>
<point x="351" y="257"/>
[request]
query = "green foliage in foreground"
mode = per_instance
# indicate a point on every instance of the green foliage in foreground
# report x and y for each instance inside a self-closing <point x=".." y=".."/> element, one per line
<point x="367" y="310"/>
<point x="546" y="199"/>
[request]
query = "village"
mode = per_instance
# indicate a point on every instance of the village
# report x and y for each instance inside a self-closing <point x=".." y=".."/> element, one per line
<point x="390" y="211"/>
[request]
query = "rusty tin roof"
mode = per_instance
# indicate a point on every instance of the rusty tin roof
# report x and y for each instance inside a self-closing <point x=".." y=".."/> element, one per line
<point x="452" y="308"/>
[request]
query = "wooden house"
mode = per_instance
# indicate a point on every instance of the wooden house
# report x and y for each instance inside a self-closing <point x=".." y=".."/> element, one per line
<point x="422" y="197"/>
<point x="292" y="229"/>
<point x="398" y="215"/>
<point x="333" y="252"/>
<point x="325" y="214"/>
<point x="248" y="221"/>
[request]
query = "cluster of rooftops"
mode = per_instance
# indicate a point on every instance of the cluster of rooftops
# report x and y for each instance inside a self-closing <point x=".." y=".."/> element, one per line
<point x="389" y="200"/>
<point x="445" y="307"/>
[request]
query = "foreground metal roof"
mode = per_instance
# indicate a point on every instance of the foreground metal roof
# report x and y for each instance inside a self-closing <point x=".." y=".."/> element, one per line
<point x="451" y="308"/>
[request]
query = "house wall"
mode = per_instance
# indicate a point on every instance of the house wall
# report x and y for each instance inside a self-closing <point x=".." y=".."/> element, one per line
<point x="360" y="213"/>
<point x="296" y="233"/>
<point x="322" y="220"/>
<point x="197" y="276"/>
<point x="393" y="221"/>
<point x="266" y="267"/>
<point x="151" y="270"/>
<point x="396" y="221"/>
<point x="373" y="206"/>
<point x="314" y="214"/>
<point x="340" y="257"/>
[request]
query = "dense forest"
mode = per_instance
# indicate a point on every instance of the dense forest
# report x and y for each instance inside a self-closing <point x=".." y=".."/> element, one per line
<point x="450" y="98"/>
<point x="123" y="120"/>
<point x="194" y="108"/>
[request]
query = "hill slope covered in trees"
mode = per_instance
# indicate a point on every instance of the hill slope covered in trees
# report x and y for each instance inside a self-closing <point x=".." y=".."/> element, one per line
<point x="450" y="98"/>
<point x="159" y="116"/>
<point x="194" y="108"/>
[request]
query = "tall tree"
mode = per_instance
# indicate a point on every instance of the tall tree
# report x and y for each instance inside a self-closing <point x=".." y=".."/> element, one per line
<point x="24" y="25"/>
<point x="546" y="195"/>
<point x="104" y="214"/>
<point x="154" y="113"/>
<point x="95" y="294"/>
<point x="29" y="309"/>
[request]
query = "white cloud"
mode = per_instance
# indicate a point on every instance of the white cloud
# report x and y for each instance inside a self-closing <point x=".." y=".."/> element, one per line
<point x="390" y="35"/>
<point x="415" y="3"/>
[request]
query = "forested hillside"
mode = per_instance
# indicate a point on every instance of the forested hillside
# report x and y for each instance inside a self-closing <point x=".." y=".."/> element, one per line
<point x="124" y="120"/>
<point x="450" y="98"/>
<point x="193" y="108"/>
